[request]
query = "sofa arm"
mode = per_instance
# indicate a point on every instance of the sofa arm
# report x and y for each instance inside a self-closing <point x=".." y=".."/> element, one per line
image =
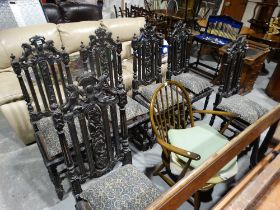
<point x="18" y="118"/>
<point x="9" y="88"/>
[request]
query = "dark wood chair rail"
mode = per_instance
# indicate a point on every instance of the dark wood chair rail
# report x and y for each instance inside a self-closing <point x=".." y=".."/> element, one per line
<point x="187" y="186"/>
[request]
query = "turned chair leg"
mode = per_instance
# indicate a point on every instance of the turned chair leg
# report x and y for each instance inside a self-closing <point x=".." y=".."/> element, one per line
<point x="205" y="106"/>
<point x="56" y="180"/>
<point x="212" y="120"/>
<point x="196" y="201"/>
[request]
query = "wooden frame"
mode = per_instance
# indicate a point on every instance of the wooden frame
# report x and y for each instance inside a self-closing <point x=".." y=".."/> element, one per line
<point x="41" y="63"/>
<point x="182" y="190"/>
<point x="174" y="110"/>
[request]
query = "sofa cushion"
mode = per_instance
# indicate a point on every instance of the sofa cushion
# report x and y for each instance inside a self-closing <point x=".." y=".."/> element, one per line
<point x="126" y="50"/>
<point x="5" y="57"/>
<point x="12" y="39"/>
<point x="9" y="88"/>
<point x="72" y="34"/>
<point x="124" y="28"/>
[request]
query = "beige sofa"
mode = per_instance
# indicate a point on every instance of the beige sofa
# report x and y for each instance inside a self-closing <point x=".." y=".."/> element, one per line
<point x="70" y="36"/>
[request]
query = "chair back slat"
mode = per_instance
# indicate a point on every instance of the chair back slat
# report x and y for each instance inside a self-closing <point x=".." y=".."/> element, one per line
<point x="170" y="109"/>
<point x="40" y="87"/>
<point x="147" y="56"/>
<point x="31" y="87"/>
<point x="69" y="118"/>
<point x="55" y="80"/>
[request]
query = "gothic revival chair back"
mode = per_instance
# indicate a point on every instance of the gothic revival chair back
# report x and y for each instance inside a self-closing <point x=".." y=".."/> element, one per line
<point x="43" y="73"/>
<point x="232" y="62"/>
<point x="103" y="57"/>
<point x="146" y="57"/>
<point x="180" y="44"/>
<point x="42" y="67"/>
<point x="94" y="107"/>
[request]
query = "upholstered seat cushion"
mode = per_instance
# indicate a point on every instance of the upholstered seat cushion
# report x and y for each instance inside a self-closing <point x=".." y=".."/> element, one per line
<point x="205" y="141"/>
<point x="243" y="107"/>
<point x="134" y="109"/>
<point x="123" y="188"/>
<point x="192" y="82"/>
<point x="148" y="91"/>
<point x="49" y="137"/>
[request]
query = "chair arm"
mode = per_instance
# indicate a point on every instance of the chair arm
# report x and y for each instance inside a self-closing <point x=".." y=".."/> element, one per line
<point x="178" y="150"/>
<point x="226" y="114"/>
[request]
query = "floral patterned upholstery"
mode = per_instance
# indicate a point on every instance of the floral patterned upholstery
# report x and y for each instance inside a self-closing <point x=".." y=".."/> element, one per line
<point x="148" y="91"/>
<point x="134" y="109"/>
<point x="192" y="82"/>
<point x="243" y="107"/>
<point x="49" y="137"/>
<point x="123" y="188"/>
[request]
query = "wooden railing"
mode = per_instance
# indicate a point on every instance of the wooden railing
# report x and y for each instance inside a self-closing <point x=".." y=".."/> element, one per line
<point x="187" y="186"/>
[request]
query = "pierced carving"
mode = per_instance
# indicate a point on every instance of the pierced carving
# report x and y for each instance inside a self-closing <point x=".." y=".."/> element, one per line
<point x="97" y="136"/>
<point x="179" y="41"/>
<point x="147" y="56"/>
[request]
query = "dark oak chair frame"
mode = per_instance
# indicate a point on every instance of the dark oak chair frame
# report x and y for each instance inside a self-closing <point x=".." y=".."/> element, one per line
<point x="180" y="44"/>
<point x="179" y="115"/>
<point x="232" y="63"/>
<point x="103" y="57"/>
<point x="38" y="59"/>
<point x="95" y="107"/>
<point x="146" y="61"/>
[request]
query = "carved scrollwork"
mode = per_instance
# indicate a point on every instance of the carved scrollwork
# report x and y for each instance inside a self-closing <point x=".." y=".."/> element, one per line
<point x="97" y="135"/>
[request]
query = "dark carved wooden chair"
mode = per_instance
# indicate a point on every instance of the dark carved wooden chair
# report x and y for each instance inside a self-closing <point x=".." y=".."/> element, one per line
<point x="227" y="98"/>
<point x="103" y="57"/>
<point x="43" y="73"/>
<point x="185" y="146"/>
<point x="97" y="111"/>
<point x="180" y="45"/>
<point x="146" y="64"/>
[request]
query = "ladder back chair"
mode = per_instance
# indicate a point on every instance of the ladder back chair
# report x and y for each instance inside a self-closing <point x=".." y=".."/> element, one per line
<point x="146" y="64"/>
<point x="43" y="73"/>
<point x="103" y="57"/>
<point x="228" y="99"/>
<point x="124" y="187"/>
<point x="180" y="45"/>
<point x="185" y="146"/>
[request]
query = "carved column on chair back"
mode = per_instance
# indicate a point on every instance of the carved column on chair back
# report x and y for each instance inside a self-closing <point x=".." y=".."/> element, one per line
<point x="232" y="63"/>
<point x="180" y="43"/>
<point x="146" y="57"/>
